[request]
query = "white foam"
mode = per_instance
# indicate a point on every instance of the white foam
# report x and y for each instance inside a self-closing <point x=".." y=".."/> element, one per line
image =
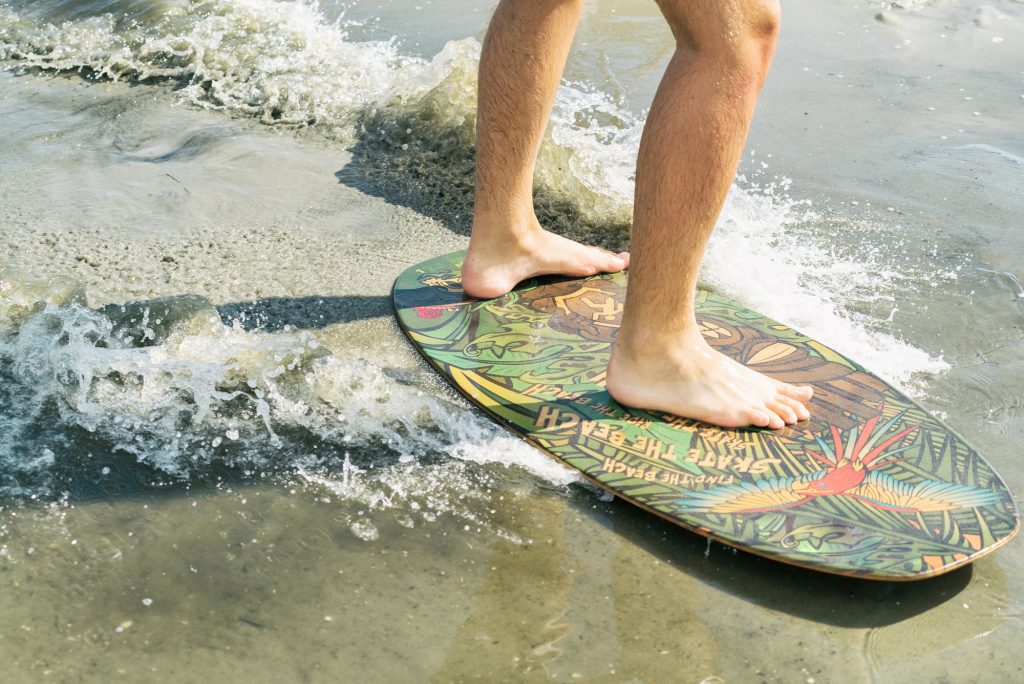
<point x="759" y="256"/>
<point x="277" y="397"/>
<point x="590" y="158"/>
<point x="992" y="149"/>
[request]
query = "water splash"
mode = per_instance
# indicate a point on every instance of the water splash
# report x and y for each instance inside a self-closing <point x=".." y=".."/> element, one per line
<point x="184" y="393"/>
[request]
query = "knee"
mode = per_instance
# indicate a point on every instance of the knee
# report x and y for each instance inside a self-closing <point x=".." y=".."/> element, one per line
<point x="739" y="34"/>
<point x="762" y="25"/>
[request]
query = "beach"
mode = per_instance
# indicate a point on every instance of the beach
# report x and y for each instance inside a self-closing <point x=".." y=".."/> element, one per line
<point x="222" y="459"/>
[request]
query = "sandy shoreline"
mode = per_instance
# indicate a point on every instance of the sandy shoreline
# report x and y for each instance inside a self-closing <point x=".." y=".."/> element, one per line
<point x="273" y="209"/>
<point x="250" y="577"/>
<point x="388" y="540"/>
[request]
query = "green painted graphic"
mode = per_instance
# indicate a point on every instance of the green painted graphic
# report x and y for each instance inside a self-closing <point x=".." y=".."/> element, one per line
<point x="872" y="486"/>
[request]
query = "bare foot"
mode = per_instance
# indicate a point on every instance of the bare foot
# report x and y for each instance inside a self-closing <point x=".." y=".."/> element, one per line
<point x="494" y="266"/>
<point x="688" y="378"/>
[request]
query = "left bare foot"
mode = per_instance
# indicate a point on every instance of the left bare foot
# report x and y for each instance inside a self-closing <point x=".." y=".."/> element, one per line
<point x="494" y="266"/>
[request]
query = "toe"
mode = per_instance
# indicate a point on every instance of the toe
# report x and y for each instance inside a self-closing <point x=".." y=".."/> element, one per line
<point x="613" y="262"/>
<point x="759" y="418"/>
<point x="797" y="407"/>
<point x="776" y="422"/>
<point x="607" y="262"/>
<point x="783" y="411"/>
<point x="801" y="393"/>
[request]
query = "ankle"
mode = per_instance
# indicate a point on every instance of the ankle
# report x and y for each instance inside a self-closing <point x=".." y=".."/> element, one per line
<point x="505" y="240"/>
<point x="663" y="341"/>
<point x="507" y="224"/>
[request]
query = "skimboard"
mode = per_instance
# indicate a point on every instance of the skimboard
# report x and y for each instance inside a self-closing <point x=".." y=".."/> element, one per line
<point x="872" y="486"/>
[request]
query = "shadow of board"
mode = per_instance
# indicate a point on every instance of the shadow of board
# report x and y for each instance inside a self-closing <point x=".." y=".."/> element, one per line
<point x="821" y="597"/>
<point x="314" y="312"/>
<point x="148" y="322"/>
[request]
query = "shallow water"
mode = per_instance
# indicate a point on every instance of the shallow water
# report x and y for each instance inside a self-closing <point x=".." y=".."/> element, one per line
<point x="222" y="459"/>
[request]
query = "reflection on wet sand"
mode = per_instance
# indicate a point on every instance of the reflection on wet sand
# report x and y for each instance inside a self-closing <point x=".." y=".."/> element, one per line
<point x="569" y="606"/>
<point x="516" y="618"/>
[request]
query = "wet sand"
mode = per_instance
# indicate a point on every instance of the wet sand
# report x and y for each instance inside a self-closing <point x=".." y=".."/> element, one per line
<point x="390" y="534"/>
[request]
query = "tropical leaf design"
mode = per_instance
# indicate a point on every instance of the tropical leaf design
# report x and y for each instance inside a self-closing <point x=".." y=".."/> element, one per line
<point x="872" y="486"/>
<point x="928" y="496"/>
<point x="760" y="496"/>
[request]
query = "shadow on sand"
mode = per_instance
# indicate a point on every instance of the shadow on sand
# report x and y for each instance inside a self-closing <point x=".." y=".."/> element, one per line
<point x="805" y="594"/>
<point x="435" y="174"/>
<point x="310" y="313"/>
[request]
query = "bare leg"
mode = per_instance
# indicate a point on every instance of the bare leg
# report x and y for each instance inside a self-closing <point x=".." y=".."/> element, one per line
<point x="521" y="66"/>
<point x="688" y="156"/>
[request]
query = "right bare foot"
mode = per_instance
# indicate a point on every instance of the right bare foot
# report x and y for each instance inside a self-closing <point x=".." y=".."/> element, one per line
<point x="686" y="377"/>
<point x="495" y="265"/>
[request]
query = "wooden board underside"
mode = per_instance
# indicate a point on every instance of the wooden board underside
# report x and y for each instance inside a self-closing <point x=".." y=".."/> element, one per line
<point x="872" y="486"/>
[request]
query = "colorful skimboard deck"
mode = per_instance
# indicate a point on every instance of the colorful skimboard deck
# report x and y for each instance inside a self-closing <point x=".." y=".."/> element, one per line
<point x="872" y="486"/>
